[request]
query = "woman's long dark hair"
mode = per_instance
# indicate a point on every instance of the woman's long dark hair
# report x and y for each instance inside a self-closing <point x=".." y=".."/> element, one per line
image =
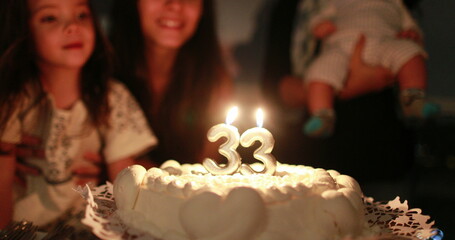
<point x="197" y="71"/>
<point x="18" y="68"/>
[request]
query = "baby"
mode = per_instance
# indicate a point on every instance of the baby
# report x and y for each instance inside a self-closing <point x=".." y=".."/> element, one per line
<point x="339" y="24"/>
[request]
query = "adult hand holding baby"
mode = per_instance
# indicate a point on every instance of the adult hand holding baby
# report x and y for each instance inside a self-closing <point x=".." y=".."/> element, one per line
<point x="362" y="79"/>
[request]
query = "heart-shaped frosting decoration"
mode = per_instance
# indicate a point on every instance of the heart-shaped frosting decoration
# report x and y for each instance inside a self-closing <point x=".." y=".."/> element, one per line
<point x="240" y="215"/>
<point x="126" y="186"/>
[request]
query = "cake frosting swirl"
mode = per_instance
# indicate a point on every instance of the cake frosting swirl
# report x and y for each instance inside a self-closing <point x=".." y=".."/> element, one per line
<point x="187" y="202"/>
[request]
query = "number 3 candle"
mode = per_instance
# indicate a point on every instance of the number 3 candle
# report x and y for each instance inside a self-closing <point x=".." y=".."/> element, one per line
<point x="263" y="153"/>
<point x="228" y="148"/>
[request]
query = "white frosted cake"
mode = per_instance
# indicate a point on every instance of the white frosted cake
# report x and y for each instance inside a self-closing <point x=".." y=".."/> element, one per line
<point x="187" y="202"/>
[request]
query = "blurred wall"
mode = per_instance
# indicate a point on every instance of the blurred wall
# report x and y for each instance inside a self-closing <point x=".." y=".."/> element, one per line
<point x="438" y="23"/>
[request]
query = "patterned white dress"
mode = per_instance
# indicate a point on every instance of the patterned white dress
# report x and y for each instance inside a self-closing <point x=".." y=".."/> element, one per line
<point x="65" y="138"/>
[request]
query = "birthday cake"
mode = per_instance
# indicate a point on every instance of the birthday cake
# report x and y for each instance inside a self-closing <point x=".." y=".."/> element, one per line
<point x="189" y="202"/>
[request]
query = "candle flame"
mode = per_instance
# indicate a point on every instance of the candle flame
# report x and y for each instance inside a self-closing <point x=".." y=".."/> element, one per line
<point x="259" y="117"/>
<point x="232" y="115"/>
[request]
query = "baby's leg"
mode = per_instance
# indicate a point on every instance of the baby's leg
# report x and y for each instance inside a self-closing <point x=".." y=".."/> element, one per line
<point x="413" y="74"/>
<point x="406" y="59"/>
<point x="412" y="80"/>
<point x="324" y="79"/>
<point x="320" y="104"/>
<point x="320" y="96"/>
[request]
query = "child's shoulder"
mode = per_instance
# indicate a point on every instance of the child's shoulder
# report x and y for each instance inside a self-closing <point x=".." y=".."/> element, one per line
<point x="117" y="89"/>
<point x="119" y="94"/>
<point x="115" y="85"/>
<point x="31" y="95"/>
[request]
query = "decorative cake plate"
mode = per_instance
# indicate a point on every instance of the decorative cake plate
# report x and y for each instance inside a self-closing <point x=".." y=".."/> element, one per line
<point x="392" y="220"/>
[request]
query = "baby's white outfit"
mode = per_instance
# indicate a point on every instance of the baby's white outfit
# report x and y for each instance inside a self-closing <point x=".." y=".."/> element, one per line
<point x="66" y="137"/>
<point x="380" y="21"/>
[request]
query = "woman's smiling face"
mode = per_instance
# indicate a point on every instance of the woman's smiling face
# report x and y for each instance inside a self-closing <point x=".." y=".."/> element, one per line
<point x="169" y="23"/>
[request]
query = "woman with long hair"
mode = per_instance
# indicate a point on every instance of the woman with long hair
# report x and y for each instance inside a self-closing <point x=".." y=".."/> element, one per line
<point x="168" y="54"/>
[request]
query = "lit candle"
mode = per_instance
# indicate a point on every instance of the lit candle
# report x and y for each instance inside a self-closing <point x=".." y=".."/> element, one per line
<point x="263" y="153"/>
<point x="228" y="148"/>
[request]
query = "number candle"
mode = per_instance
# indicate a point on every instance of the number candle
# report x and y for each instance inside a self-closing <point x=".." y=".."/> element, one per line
<point x="263" y="153"/>
<point x="228" y="148"/>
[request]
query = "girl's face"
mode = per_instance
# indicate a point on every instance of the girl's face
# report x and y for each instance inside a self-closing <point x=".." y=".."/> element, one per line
<point x="63" y="32"/>
<point x="168" y="23"/>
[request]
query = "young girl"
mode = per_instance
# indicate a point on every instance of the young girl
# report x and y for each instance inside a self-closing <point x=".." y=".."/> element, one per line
<point x="54" y="84"/>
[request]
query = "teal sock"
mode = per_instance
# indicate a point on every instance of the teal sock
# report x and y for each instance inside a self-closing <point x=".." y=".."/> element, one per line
<point x="430" y="109"/>
<point x="320" y="124"/>
<point x="414" y="104"/>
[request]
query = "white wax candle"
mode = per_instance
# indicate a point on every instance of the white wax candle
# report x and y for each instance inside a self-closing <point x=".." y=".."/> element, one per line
<point x="227" y="149"/>
<point x="263" y="153"/>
